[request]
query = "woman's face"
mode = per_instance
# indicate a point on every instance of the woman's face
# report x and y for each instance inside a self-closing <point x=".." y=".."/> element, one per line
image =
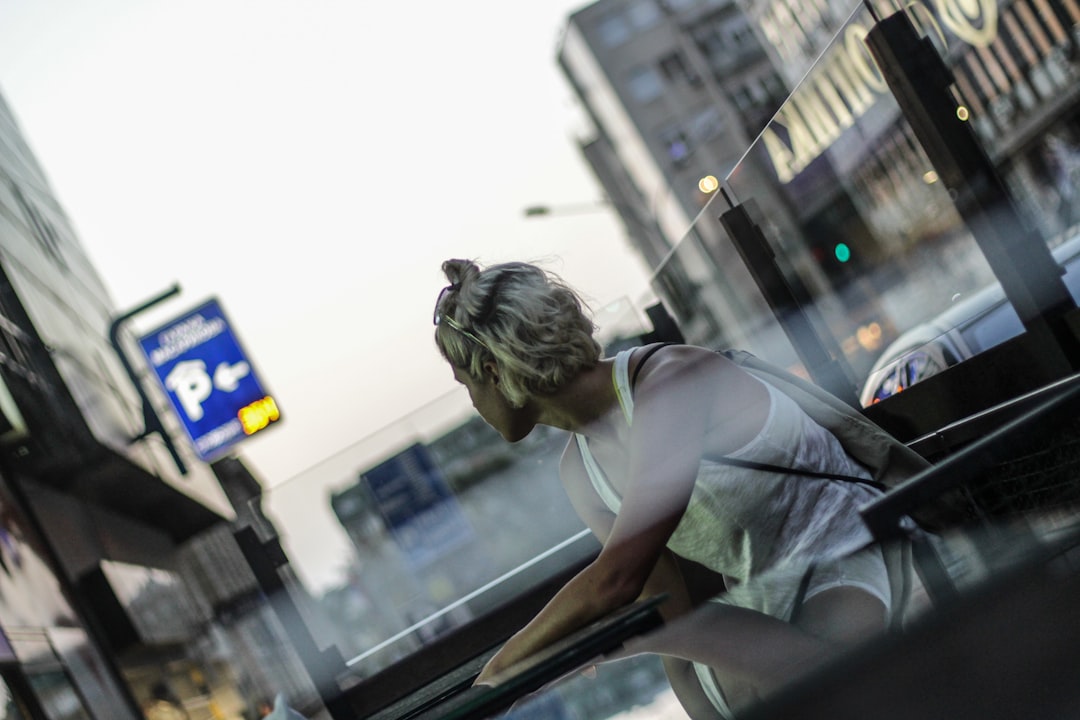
<point x="510" y="422"/>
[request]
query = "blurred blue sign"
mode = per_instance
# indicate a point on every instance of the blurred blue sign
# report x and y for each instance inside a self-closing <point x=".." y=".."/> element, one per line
<point x="417" y="505"/>
<point x="209" y="379"/>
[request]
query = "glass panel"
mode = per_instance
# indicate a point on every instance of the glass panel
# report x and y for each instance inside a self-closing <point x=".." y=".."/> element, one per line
<point x="85" y="667"/>
<point x="887" y="259"/>
<point x="861" y="226"/>
<point x="717" y="304"/>
<point x="417" y="519"/>
<point x="634" y="688"/>
<point x="429" y="524"/>
<point x="57" y="695"/>
<point x="434" y="521"/>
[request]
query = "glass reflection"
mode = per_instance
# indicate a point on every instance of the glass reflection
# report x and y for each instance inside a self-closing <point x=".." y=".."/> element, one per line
<point x="871" y="246"/>
<point x="866" y="234"/>
<point x="427" y="525"/>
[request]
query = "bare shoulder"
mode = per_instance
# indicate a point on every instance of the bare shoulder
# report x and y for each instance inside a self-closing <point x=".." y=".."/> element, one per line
<point x="699" y="385"/>
<point x="654" y="364"/>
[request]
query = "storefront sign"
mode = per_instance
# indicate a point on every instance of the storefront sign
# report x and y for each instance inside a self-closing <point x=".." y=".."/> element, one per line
<point x="848" y="81"/>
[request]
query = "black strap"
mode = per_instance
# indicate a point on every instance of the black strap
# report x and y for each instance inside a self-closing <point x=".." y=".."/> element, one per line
<point x="753" y="464"/>
<point x="646" y="356"/>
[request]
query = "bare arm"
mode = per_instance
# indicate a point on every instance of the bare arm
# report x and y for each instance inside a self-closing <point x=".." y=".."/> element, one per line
<point x="665" y="450"/>
<point x="666" y="576"/>
<point x="586" y="597"/>
<point x="674" y="415"/>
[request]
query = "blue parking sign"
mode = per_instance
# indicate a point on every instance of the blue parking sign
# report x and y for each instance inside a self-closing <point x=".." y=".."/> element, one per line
<point x="418" y="507"/>
<point x="211" y="383"/>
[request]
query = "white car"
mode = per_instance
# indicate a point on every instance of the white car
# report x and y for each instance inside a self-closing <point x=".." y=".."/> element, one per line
<point x="969" y="327"/>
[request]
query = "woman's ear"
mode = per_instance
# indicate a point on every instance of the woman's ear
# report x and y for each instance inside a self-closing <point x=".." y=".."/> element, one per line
<point x="491" y="369"/>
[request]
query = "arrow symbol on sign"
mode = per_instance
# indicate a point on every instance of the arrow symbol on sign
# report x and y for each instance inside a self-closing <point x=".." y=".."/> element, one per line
<point x="227" y="377"/>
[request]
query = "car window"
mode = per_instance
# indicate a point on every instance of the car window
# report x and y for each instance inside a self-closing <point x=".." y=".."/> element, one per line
<point x="1002" y="323"/>
<point x="992" y="328"/>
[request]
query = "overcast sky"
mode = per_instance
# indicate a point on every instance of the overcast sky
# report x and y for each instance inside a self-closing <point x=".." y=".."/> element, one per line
<point x="311" y="164"/>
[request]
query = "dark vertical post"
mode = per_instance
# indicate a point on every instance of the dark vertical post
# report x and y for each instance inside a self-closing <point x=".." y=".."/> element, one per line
<point x="824" y="367"/>
<point x="323" y="666"/>
<point x="151" y="421"/>
<point x="1029" y="275"/>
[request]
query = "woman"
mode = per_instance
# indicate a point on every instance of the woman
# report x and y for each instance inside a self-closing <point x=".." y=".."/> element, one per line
<point x="648" y="469"/>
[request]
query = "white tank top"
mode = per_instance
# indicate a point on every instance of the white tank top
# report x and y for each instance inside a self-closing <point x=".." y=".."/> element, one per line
<point x="758" y="527"/>
<point x="741" y="522"/>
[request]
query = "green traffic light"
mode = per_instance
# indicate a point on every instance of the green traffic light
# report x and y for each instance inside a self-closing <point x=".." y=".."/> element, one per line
<point x="842" y="252"/>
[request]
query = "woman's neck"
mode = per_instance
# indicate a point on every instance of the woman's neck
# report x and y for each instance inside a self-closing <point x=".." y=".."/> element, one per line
<point x="585" y="405"/>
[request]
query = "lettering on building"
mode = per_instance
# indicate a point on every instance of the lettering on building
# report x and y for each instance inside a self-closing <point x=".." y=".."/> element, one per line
<point x="849" y="81"/>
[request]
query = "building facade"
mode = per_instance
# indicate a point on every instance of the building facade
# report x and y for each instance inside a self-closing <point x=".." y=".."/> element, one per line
<point x="675" y="93"/>
<point x="121" y="582"/>
<point x="835" y="179"/>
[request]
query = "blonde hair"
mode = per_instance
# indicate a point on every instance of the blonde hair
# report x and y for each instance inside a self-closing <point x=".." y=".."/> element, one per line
<point x="526" y="319"/>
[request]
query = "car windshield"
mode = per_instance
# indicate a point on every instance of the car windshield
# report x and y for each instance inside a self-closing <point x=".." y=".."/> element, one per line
<point x="978" y="329"/>
<point x="1002" y="323"/>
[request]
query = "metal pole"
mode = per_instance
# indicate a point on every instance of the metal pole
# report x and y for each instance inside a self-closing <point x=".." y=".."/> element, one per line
<point x="151" y="421"/>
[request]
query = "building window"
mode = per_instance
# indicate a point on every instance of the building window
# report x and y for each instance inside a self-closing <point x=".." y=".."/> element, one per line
<point x="613" y="30"/>
<point x="40" y="228"/>
<point x="706" y="124"/>
<point x="712" y="44"/>
<point x="643" y="14"/>
<point x="774" y="86"/>
<point x="676" y="145"/>
<point x="741" y="98"/>
<point x="644" y="84"/>
<point x="674" y="69"/>
<point x="744" y="37"/>
<point x="757" y="91"/>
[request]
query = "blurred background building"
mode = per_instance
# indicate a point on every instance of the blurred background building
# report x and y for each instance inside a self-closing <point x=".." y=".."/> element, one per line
<point x="120" y="580"/>
<point x="675" y="93"/>
<point x="678" y="91"/>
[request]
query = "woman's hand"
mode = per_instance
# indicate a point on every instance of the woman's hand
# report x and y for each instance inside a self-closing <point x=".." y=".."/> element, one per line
<point x="594" y="592"/>
<point x="484" y="679"/>
<point x="494" y="666"/>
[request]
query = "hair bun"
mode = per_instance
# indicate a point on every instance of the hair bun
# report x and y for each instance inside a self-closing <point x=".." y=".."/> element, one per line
<point x="458" y="272"/>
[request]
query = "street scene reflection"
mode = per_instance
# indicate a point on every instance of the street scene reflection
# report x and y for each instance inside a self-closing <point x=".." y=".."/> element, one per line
<point x="880" y="202"/>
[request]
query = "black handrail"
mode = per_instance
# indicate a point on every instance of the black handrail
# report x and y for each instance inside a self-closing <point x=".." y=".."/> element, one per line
<point x="885" y="516"/>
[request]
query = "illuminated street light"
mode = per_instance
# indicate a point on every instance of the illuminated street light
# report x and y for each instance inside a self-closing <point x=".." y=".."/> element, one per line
<point x="708" y="184"/>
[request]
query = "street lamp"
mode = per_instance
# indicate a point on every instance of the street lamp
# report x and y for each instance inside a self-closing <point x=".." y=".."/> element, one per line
<point x="642" y="223"/>
<point x="571" y="209"/>
<point x="643" y="227"/>
<point x="664" y="326"/>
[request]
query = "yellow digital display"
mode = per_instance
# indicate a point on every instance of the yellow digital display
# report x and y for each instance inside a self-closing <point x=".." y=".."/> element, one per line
<point x="257" y="415"/>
